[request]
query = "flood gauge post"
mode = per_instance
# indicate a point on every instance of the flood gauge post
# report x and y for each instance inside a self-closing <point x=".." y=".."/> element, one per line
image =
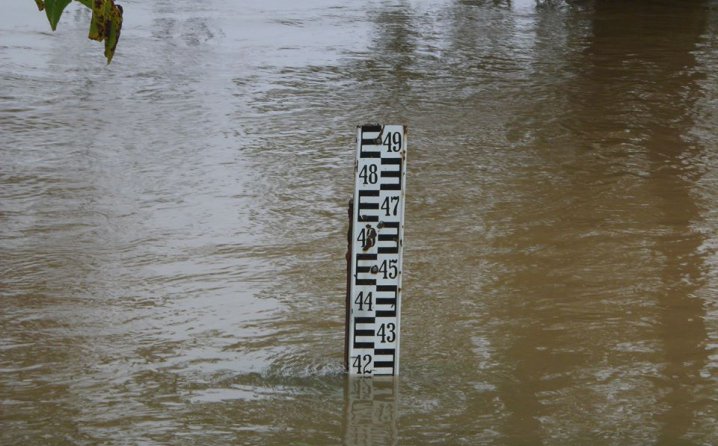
<point x="375" y="254"/>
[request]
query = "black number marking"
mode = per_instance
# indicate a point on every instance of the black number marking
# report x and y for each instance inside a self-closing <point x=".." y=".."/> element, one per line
<point x="387" y="332"/>
<point x="368" y="174"/>
<point x="367" y="237"/>
<point x="386" y="206"/>
<point x="388" y="269"/>
<point x="362" y="364"/>
<point x="362" y="300"/>
<point x="392" y="141"/>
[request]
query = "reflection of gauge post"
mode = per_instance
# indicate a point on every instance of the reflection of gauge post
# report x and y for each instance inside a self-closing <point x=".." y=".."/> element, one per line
<point x="370" y="411"/>
<point x="377" y="239"/>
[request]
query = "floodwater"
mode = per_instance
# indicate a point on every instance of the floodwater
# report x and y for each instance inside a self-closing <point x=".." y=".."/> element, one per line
<point x="172" y="226"/>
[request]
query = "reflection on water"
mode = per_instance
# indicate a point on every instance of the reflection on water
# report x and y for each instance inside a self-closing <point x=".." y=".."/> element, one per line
<point x="172" y="225"/>
<point x="370" y="411"/>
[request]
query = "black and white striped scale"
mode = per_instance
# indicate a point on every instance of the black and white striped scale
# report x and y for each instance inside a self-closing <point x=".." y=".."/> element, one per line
<point x="377" y="239"/>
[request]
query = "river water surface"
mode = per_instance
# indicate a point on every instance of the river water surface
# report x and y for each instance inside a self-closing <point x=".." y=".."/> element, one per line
<point x="172" y="226"/>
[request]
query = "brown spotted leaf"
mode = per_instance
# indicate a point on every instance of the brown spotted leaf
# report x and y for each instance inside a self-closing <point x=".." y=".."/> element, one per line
<point x="106" y="25"/>
<point x="100" y="19"/>
<point x="113" y="36"/>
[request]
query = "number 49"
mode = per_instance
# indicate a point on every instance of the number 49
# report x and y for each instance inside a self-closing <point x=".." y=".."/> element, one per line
<point x="392" y="141"/>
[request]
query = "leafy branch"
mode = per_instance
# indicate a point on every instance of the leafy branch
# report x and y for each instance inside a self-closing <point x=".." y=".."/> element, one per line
<point x="106" y="21"/>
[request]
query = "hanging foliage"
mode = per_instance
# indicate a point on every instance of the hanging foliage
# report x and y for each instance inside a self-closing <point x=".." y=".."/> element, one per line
<point x="106" y="21"/>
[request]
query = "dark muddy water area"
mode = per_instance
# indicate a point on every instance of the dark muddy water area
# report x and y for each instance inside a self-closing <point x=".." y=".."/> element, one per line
<point x="172" y="226"/>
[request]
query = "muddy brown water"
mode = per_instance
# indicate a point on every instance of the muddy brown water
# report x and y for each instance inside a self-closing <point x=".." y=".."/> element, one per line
<point x="172" y="226"/>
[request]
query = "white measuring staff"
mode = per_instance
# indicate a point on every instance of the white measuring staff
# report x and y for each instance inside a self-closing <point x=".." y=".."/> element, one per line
<point x="377" y="239"/>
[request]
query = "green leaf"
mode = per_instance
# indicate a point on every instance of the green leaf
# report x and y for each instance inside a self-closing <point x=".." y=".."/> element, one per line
<point x="53" y="9"/>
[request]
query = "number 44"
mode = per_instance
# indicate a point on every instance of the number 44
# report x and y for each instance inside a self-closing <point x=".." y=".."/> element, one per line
<point x="363" y="301"/>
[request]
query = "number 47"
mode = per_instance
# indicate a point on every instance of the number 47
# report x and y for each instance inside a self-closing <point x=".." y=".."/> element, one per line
<point x="390" y="206"/>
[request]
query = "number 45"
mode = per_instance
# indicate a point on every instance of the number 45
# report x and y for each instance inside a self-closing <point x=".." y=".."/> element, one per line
<point x="389" y="269"/>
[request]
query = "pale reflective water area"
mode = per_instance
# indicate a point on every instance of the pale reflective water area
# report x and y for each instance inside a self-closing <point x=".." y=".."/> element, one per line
<point x="172" y="226"/>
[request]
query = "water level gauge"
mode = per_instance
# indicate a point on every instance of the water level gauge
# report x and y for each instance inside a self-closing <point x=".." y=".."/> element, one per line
<point x="377" y="238"/>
